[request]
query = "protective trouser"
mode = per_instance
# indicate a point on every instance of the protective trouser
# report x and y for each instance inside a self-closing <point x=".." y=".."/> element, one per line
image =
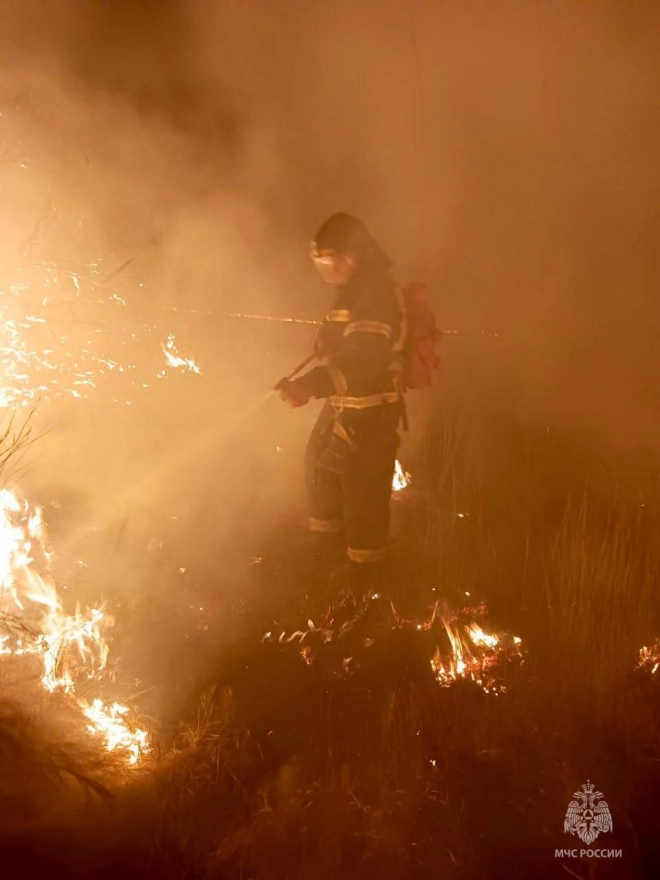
<point x="349" y="466"/>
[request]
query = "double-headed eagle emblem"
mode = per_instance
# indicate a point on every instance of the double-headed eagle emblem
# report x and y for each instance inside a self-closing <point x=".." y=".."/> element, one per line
<point x="588" y="815"/>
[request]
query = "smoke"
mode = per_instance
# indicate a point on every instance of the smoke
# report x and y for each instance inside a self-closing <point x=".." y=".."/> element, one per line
<point x="506" y="153"/>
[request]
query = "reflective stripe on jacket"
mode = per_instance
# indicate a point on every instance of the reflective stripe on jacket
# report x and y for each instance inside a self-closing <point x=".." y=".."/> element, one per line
<point x="361" y="343"/>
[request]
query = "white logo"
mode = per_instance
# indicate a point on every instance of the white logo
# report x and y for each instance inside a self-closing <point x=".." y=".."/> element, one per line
<point x="588" y="815"/>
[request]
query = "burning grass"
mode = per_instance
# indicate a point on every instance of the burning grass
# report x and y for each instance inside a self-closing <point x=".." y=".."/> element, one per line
<point x="284" y="772"/>
<point x="461" y="649"/>
<point x="69" y="648"/>
<point x="439" y="745"/>
<point x="649" y="658"/>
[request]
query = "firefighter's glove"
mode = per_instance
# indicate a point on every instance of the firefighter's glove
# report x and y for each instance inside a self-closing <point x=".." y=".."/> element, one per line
<point x="293" y="392"/>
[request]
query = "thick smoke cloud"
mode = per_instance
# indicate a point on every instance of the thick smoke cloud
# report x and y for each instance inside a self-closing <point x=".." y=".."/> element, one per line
<point x="504" y="152"/>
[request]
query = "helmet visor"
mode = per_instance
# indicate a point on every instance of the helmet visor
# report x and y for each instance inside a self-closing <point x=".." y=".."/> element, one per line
<point x="333" y="266"/>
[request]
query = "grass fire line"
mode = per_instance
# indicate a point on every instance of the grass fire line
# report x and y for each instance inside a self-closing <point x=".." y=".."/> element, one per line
<point x="72" y="648"/>
<point x="69" y="648"/>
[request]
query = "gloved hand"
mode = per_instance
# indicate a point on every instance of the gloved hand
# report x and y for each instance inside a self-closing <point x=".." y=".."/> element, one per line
<point x="293" y="392"/>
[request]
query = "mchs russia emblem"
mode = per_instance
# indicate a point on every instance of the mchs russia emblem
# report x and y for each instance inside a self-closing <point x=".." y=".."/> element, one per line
<point x="588" y="815"/>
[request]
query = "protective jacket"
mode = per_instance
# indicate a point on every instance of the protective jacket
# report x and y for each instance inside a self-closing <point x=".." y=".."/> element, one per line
<point x="361" y="344"/>
<point x="351" y="452"/>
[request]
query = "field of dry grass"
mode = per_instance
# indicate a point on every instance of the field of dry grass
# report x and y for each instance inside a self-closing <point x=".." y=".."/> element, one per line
<point x="273" y="767"/>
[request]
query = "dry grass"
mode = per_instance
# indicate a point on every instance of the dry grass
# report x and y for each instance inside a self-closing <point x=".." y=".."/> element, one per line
<point x="15" y="438"/>
<point x="385" y="774"/>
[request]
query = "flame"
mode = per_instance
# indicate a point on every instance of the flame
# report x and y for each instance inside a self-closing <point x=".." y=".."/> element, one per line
<point x="400" y="479"/>
<point x="475" y="654"/>
<point x="69" y="647"/>
<point x="174" y="359"/>
<point x="111" y="722"/>
<point x="649" y="658"/>
<point x="479" y="637"/>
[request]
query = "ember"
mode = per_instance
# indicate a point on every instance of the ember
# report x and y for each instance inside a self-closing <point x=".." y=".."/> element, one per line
<point x="474" y="655"/>
<point x="174" y="359"/>
<point x="649" y="658"/>
<point x="43" y="357"/>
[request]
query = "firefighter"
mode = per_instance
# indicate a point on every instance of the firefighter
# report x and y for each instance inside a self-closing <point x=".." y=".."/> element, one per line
<point x="350" y="456"/>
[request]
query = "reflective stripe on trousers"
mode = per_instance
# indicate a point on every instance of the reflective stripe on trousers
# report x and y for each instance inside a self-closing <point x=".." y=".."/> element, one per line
<point x="324" y="525"/>
<point x="352" y="483"/>
<point x="366" y="555"/>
